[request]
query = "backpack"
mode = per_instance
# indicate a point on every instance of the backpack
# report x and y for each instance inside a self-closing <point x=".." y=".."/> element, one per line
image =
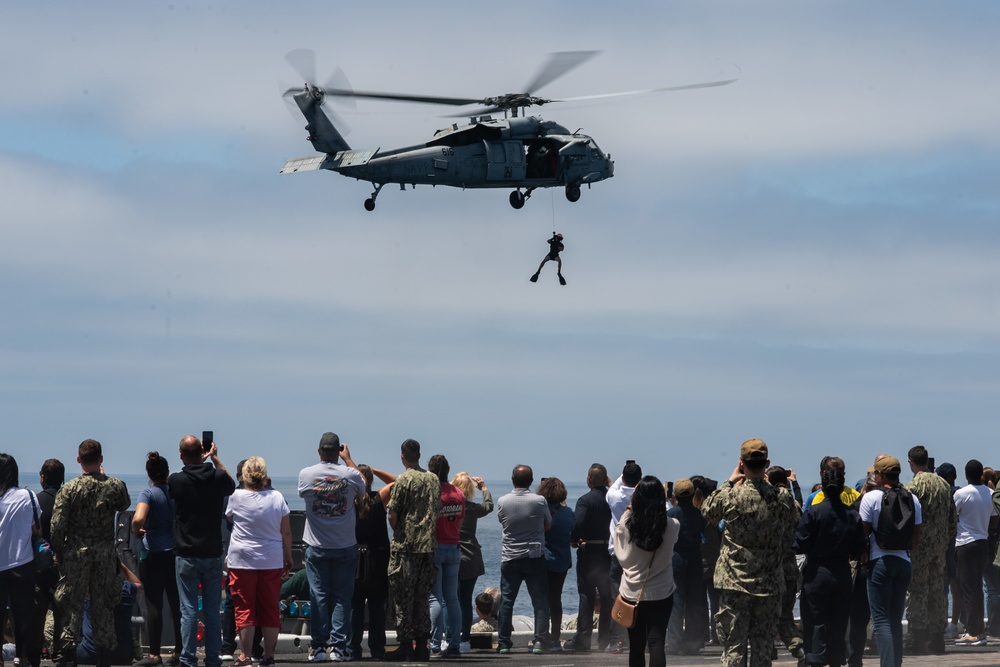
<point x="897" y="519"/>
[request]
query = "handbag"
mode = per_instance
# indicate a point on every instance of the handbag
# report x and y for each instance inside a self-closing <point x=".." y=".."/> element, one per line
<point x="623" y="611"/>
<point x="40" y="548"/>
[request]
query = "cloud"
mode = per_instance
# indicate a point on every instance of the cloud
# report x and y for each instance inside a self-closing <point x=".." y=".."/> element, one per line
<point x="807" y="254"/>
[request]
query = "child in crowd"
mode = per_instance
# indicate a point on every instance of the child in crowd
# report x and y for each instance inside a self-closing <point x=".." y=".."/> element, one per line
<point x="485" y="608"/>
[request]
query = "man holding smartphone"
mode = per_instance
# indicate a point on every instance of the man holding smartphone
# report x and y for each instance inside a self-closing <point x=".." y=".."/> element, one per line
<point x="199" y="491"/>
<point x="329" y="489"/>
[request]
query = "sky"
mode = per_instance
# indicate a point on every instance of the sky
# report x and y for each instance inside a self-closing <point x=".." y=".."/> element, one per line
<point x="807" y="256"/>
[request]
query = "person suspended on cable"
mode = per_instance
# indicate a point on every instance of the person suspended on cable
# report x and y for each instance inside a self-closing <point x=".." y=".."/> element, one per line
<point x="555" y="247"/>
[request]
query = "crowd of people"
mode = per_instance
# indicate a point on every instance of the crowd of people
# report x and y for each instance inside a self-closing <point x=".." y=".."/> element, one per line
<point x="690" y="562"/>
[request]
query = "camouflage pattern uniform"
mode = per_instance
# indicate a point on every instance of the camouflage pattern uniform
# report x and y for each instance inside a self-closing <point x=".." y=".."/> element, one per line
<point x="749" y="573"/>
<point x="927" y="599"/>
<point x="416" y="500"/>
<point x="83" y="538"/>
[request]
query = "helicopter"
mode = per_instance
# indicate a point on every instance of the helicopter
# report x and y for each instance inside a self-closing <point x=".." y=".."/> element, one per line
<point x="516" y="151"/>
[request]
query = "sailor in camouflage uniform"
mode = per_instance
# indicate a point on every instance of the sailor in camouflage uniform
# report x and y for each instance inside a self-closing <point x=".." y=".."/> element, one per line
<point x="749" y="572"/>
<point x="414" y="505"/>
<point x="927" y="599"/>
<point x="83" y="539"/>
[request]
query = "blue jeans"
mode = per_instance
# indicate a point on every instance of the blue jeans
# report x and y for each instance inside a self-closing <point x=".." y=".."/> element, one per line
<point x="208" y="573"/>
<point x="445" y="609"/>
<point x="331" y="587"/>
<point x="887" y="582"/>
<point x="532" y="572"/>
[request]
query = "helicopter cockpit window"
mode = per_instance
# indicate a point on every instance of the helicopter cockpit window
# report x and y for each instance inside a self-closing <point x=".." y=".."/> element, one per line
<point x="594" y="150"/>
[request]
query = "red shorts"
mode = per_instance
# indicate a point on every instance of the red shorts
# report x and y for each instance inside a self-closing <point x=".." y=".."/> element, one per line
<point x="255" y="597"/>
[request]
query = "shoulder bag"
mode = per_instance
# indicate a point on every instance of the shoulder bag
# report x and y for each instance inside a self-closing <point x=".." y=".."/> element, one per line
<point x="623" y="611"/>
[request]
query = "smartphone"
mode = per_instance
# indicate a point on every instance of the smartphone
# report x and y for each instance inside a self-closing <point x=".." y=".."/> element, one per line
<point x="930" y="464"/>
<point x="670" y="490"/>
<point x="207" y="438"/>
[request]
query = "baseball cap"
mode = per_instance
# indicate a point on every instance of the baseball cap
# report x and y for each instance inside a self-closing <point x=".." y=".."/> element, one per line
<point x="887" y="464"/>
<point x="683" y="488"/>
<point x="753" y="449"/>
<point x="878" y="458"/>
<point x="330" y="441"/>
<point x="947" y="470"/>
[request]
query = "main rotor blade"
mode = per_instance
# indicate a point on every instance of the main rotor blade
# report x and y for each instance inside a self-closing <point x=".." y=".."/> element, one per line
<point x="303" y="61"/>
<point x="472" y="113"/>
<point x="424" y="99"/>
<point x="690" y="86"/>
<point x="558" y="64"/>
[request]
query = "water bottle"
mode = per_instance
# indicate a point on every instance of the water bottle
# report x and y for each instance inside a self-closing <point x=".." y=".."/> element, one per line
<point x="305" y="609"/>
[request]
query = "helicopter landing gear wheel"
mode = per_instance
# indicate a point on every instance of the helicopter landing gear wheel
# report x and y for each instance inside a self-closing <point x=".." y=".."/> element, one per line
<point x="517" y="199"/>
<point x="370" y="202"/>
<point x="573" y="192"/>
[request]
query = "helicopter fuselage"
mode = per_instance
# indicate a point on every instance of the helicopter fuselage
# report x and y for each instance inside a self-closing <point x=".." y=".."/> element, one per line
<point x="520" y="152"/>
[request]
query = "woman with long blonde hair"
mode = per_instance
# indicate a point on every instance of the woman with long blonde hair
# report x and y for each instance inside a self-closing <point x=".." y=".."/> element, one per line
<point x="472" y="566"/>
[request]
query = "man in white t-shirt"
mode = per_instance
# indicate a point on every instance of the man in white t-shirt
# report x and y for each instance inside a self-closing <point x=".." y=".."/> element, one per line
<point x="619" y="496"/>
<point x="976" y="516"/>
<point x="889" y="570"/>
<point x="329" y="489"/>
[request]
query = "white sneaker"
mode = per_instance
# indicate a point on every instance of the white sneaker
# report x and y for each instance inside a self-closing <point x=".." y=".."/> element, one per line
<point x="444" y="645"/>
<point x="317" y="654"/>
<point x="465" y="647"/>
<point x="337" y="655"/>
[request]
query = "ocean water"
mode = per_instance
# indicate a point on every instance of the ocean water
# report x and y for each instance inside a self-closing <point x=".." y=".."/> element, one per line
<point x="488" y="533"/>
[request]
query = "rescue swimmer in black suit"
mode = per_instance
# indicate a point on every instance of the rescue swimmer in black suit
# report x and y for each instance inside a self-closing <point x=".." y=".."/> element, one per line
<point x="555" y="247"/>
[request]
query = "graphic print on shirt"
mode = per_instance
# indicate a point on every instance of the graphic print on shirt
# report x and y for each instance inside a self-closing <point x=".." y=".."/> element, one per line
<point x="331" y="495"/>
<point x="452" y="512"/>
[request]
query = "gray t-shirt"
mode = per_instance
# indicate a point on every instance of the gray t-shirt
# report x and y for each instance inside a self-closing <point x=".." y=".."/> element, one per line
<point x="329" y="490"/>
<point x="524" y="517"/>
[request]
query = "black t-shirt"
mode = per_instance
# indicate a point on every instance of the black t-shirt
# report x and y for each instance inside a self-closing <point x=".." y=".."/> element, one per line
<point x="199" y="492"/>
<point x="371" y="530"/>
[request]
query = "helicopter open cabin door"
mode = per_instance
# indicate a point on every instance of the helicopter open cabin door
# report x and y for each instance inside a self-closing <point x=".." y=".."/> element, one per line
<point x="505" y="161"/>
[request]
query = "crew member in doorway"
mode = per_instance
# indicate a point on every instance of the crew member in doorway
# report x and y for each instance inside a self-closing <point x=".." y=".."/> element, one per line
<point x="555" y="247"/>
